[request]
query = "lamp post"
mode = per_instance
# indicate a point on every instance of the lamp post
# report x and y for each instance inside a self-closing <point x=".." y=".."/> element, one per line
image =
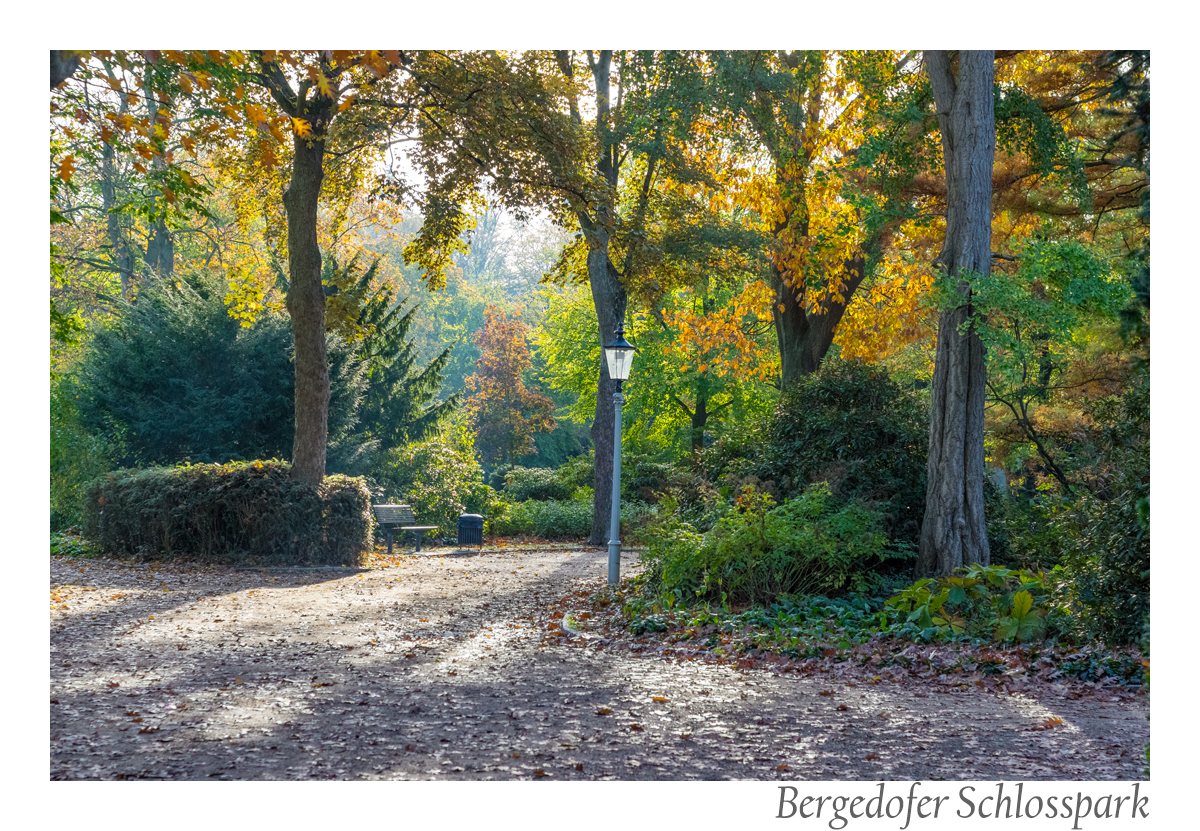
<point x="619" y="355"/>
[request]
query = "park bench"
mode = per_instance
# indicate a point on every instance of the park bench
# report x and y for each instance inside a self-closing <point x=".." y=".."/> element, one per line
<point x="396" y="518"/>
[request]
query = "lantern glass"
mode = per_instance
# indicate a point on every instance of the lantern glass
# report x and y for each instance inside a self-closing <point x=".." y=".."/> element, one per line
<point x="619" y="354"/>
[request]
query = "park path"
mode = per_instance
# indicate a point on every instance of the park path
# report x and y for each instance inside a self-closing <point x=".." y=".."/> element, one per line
<point x="453" y="666"/>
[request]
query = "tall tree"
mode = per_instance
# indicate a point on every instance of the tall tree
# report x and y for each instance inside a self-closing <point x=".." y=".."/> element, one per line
<point x="504" y="412"/>
<point x="340" y="108"/>
<point x="953" y="533"/>
<point x="811" y="114"/>
<point x="534" y="145"/>
<point x="399" y="404"/>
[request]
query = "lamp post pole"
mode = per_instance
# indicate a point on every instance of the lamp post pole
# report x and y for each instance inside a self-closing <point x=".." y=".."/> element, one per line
<point x="614" y="536"/>
<point x="619" y="356"/>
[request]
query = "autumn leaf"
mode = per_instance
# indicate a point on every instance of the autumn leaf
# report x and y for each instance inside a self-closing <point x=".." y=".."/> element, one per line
<point x="66" y="168"/>
<point x="323" y="85"/>
<point x="301" y="127"/>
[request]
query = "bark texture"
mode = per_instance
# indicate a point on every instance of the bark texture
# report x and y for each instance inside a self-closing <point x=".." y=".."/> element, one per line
<point x="63" y="64"/>
<point x="306" y="306"/>
<point x="805" y="336"/>
<point x="953" y="533"/>
<point x="121" y="252"/>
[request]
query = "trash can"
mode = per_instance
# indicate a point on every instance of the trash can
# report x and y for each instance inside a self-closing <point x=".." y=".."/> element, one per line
<point x="470" y="530"/>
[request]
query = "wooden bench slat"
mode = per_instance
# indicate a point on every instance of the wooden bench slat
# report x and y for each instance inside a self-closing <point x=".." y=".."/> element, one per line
<point x="400" y="518"/>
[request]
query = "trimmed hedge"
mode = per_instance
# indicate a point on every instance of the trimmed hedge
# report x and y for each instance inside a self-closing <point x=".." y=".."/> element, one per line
<point x="236" y="513"/>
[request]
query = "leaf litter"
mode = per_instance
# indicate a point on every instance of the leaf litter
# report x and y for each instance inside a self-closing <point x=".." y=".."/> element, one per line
<point x="416" y="668"/>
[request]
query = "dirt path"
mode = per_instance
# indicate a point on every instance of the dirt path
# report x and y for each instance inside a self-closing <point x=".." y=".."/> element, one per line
<point x="444" y="666"/>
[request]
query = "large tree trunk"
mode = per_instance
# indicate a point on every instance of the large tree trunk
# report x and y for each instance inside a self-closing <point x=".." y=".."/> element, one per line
<point x="608" y="297"/>
<point x="805" y="337"/>
<point x="953" y="533"/>
<point x="63" y="64"/>
<point x="306" y="305"/>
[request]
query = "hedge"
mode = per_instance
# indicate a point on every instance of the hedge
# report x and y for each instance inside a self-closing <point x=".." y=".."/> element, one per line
<point x="235" y="513"/>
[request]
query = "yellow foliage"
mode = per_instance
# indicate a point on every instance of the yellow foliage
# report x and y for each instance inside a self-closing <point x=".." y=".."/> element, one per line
<point x="722" y="341"/>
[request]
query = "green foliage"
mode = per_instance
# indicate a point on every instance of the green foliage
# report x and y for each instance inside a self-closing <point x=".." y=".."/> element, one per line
<point x="643" y="478"/>
<point x="184" y="381"/>
<point x="237" y="513"/>
<point x="77" y="455"/>
<point x="848" y="425"/>
<point x="397" y="405"/>
<point x="982" y="601"/>
<point x="520" y="483"/>
<point x="1038" y="325"/>
<point x="439" y="477"/>
<point x="538" y="483"/>
<point x="550" y="520"/>
<point x="759" y="551"/>
<point x="1107" y="532"/>
<point x="70" y="543"/>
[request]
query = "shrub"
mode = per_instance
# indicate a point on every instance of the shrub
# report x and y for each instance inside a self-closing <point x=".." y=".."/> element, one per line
<point x="237" y="513"/>
<point x="849" y="425"/>
<point x="439" y="477"/>
<point x="1107" y="533"/>
<point x="642" y="479"/>
<point x="537" y="483"/>
<point x="759" y="551"/>
<point x="579" y="471"/>
<point x="983" y="601"/>
<point x="77" y="455"/>
<point x="554" y="519"/>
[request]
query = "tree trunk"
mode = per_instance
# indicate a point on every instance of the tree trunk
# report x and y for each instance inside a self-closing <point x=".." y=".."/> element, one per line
<point x="122" y="257"/>
<point x="804" y="337"/>
<point x="953" y="533"/>
<point x="62" y="66"/>
<point x="160" y="250"/>
<point x="700" y="413"/>
<point x="306" y="305"/>
<point x="609" y="298"/>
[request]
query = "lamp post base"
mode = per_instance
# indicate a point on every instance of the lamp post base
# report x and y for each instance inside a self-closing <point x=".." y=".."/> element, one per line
<point x="614" y="562"/>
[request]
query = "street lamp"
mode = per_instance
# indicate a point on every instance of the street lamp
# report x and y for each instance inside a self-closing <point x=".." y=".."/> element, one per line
<point x="619" y="355"/>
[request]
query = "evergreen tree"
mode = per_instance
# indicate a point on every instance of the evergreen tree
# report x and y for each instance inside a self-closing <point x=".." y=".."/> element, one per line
<point x="397" y="408"/>
<point x="183" y="381"/>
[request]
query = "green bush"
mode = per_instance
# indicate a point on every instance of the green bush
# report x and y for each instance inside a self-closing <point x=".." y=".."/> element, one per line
<point x="983" y="601"/>
<point x="848" y="425"/>
<point x="759" y="551"/>
<point x="550" y="520"/>
<point x="523" y="483"/>
<point x="579" y="471"/>
<point x="642" y="479"/>
<point x="77" y="455"/>
<point x="439" y="477"/>
<point x="237" y="513"/>
<point x="1107" y="532"/>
